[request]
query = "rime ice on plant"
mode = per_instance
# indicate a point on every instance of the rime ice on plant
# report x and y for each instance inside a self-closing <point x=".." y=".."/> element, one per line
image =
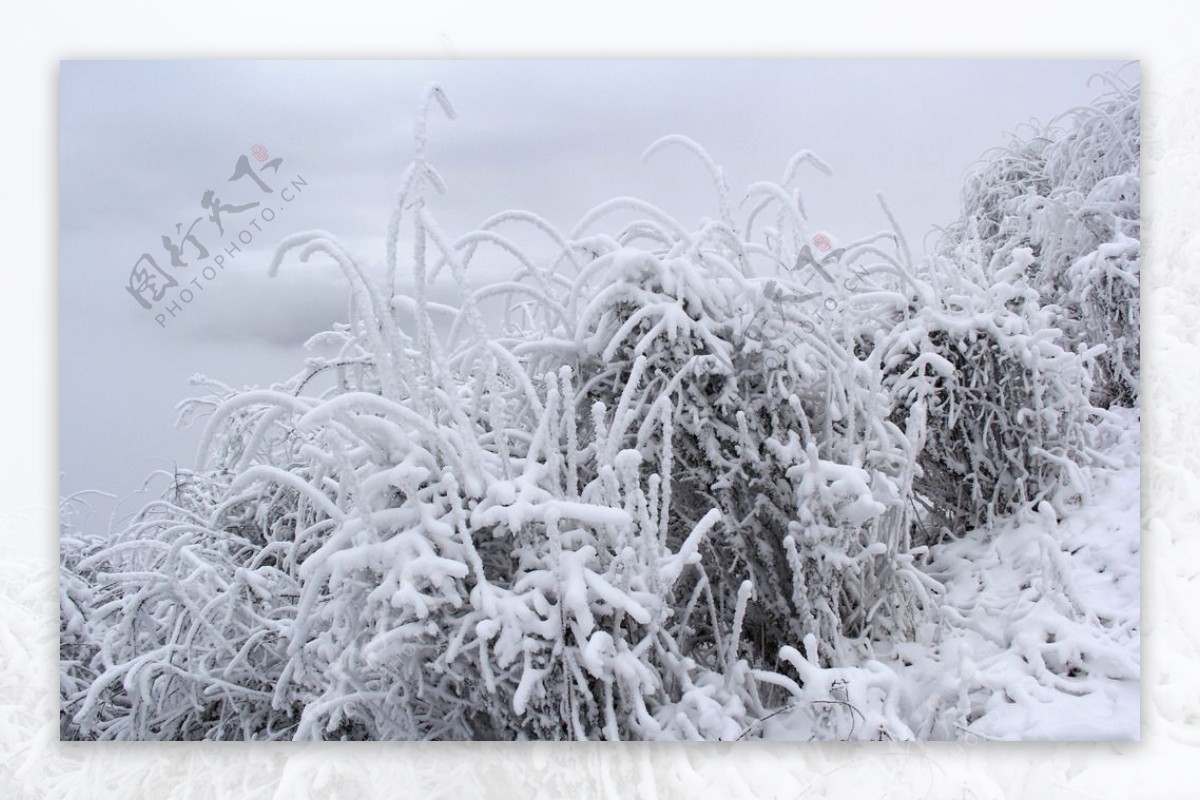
<point x="657" y="503"/>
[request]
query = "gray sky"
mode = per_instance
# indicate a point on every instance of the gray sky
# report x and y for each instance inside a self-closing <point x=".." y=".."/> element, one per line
<point x="142" y="141"/>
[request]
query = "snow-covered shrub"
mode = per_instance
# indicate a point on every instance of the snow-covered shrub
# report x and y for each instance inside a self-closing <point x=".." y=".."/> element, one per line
<point x="608" y="497"/>
<point x="587" y="526"/>
<point x="77" y="592"/>
<point x="997" y="408"/>
<point x="836" y="703"/>
<point x="1069" y="192"/>
<point x="443" y="545"/>
<point x="171" y="630"/>
<point x="1105" y="288"/>
<point x="774" y="418"/>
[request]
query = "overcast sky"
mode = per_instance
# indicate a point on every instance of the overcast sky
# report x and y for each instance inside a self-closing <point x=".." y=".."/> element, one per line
<point x="141" y="143"/>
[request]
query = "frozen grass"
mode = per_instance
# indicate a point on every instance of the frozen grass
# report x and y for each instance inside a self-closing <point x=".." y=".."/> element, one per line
<point x="657" y="503"/>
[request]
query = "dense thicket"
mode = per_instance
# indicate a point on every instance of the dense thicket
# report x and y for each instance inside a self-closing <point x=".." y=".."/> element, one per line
<point x="1070" y="193"/>
<point x="684" y="483"/>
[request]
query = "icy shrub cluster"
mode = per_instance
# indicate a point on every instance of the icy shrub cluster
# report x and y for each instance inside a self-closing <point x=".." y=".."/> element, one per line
<point x="1033" y="318"/>
<point x="1070" y="193"/>
<point x="627" y="493"/>
<point x="996" y="406"/>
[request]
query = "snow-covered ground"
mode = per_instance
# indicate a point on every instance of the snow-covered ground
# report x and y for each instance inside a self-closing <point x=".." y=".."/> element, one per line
<point x="1039" y="629"/>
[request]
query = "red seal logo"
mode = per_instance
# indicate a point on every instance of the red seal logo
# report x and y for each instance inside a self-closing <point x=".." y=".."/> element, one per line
<point x="822" y="243"/>
<point x="259" y="152"/>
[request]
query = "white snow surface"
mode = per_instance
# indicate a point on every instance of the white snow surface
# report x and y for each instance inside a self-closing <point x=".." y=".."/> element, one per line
<point x="1039" y="630"/>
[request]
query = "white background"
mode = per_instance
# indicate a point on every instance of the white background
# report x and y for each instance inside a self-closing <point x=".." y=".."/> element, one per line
<point x="36" y="36"/>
